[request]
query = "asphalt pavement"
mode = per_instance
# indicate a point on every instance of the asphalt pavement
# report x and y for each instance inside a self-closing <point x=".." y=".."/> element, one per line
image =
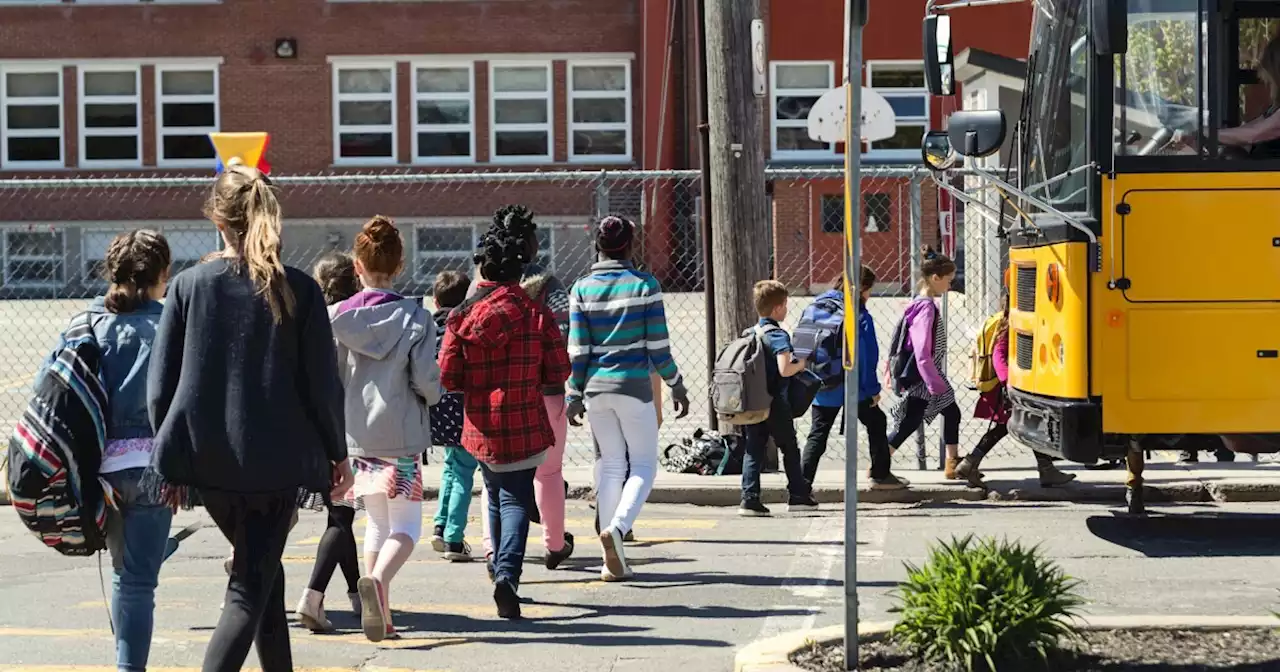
<point x="707" y="583"/>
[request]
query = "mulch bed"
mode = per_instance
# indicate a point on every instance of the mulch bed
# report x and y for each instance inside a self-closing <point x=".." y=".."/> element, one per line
<point x="1102" y="651"/>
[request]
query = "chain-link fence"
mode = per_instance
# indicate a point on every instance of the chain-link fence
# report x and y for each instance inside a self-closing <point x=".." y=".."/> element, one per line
<point x="56" y="232"/>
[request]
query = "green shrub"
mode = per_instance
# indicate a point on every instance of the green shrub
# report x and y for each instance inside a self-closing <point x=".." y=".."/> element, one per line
<point x="985" y="605"/>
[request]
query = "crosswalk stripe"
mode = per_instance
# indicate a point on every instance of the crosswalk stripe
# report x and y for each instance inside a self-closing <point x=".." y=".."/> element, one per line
<point x="407" y="640"/>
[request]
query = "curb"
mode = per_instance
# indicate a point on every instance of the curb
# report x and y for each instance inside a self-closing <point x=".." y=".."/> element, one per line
<point x="774" y="654"/>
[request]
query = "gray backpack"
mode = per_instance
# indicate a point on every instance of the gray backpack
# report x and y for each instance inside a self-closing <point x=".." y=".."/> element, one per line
<point x="739" y="382"/>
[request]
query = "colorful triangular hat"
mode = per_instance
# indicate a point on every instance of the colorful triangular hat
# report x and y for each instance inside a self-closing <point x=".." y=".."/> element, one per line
<point x="249" y="148"/>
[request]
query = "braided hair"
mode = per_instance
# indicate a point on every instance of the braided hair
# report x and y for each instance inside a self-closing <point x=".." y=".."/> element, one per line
<point x="135" y="262"/>
<point x="501" y="255"/>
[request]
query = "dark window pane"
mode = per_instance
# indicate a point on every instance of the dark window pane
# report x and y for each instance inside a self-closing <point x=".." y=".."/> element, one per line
<point x="910" y="79"/>
<point x="600" y="110"/>
<point x="797" y="139"/>
<point x="364" y="113"/>
<point x="34" y="149"/>
<point x="34" y="116"/>
<point x="833" y="213"/>
<point x="178" y="115"/>
<point x="106" y="148"/>
<point x="877" y="212"/>
<point x="364" y="145"/>
<point x="521" y="143"/>
<point x="444" y="144"/>
<point x="444" y="112"/>
<point x="795" y="107"/>
<point x="34" y="244"/>
<point x="520" y="111"/>
<point x="450" y="239"/>
<point x="122" y="115"/>
<point x="908" y="106"/>
<point x="187" y="147"/>
<point x="905" y="137"/>
<point x="43" y="272"/>
<point x="611" y="143"/>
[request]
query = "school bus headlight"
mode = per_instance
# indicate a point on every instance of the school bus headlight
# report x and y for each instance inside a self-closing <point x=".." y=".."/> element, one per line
<point x="1060" y="347"/>
<point x="1053" y="285"/>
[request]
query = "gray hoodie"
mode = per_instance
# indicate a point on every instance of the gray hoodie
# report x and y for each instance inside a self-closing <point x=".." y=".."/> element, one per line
<point x="387" y="358"/>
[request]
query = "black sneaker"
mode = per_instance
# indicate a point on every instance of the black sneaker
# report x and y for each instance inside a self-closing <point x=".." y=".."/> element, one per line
<point x="504" y="595"/>
<point x="806" y="503"/>
<point x="437" y="539"/>
<point x="458" y="551"/>
<point x="889" y="482"/>
<point x="554" y="558"/>
<point x="629" y="537"/>
<point x="1189" y="457"/>
<point x="754" y="510"/>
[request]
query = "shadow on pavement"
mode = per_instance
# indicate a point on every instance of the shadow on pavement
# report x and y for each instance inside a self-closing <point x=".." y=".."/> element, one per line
<point x="1192" y="535"/>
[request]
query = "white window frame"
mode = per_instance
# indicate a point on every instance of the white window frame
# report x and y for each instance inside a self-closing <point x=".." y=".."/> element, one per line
<point x="625" y="125"/>
<point x="338" y="98"/>
<point x="5" y="162"/>
<point x="161" y="99"/>
<point x="135" y="100"/>
<point x="426" y="228"/>
<point x="911" y="155"/>
<point x="774" y="123"/>
<point x="61" y="258"/>
<point x="469" y="96"/>
<point x="549" y="127"/>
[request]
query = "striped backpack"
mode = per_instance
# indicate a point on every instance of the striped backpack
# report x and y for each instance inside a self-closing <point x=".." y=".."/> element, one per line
<point x="56" y="449"/>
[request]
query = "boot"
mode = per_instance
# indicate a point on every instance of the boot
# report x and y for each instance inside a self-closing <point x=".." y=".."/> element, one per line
<point x="1051" y="475"/>
<point x="311" y="611"/>
<point x="950" y="472"/>
<point x="967" y="470"/>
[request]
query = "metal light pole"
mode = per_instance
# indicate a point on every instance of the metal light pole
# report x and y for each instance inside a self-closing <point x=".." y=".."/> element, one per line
<point x="855" y="18"/>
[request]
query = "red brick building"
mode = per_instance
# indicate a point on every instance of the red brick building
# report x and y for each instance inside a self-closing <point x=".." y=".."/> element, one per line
<point x="92" y="88"/>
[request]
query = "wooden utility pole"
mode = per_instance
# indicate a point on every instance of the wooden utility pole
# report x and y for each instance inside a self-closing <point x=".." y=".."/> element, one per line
<point x="740" y="240"/>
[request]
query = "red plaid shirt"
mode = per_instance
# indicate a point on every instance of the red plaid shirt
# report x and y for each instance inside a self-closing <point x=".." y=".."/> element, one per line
<point x="500" y="349"/>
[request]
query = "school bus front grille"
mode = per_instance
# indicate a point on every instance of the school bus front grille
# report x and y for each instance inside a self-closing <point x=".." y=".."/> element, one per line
<point x="1025" y="347"/>
<point x="1026" y="297"/>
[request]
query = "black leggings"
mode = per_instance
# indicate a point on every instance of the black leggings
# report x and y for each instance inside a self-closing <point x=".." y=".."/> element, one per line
<point x="337" y="549"/>
<point x="915" y="417"/>
<point x="257" y="525"/>
<point x="993" y="436"/>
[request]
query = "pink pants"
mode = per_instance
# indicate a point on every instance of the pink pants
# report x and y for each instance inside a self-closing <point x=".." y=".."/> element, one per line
<point x="548" y="484"/>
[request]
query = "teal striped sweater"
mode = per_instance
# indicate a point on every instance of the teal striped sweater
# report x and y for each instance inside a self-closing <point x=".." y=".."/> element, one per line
<point x="618" y="333"/>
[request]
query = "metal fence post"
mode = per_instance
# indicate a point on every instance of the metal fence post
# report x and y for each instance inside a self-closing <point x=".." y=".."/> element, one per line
<point x="602" y="196"/>
<point x="917" y="242"/>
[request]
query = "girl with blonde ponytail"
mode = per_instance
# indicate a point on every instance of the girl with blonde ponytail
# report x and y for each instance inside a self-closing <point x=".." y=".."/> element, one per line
<point x="247" y="404"/>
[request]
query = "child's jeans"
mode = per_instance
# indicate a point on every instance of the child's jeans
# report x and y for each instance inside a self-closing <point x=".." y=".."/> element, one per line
<point x="781" y="426"/>
<point x="136" y="536"/>
<point x="548" y="483"/>
<point x="455" y="492"/>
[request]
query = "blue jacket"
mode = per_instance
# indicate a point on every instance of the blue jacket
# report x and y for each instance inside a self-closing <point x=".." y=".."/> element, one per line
<point x="126" y="341"/>
<point x="868" y="356"/>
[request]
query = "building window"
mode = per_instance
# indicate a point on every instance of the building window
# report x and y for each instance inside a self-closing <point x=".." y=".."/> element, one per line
<point x="600" y="111"/>
<point x="187" y="112"/>
<point x="521" y="113"/>
<point x="877" y="212"/>
<point x="31" y="119"/>
<point x="796" y="87"/>
<point x="110" y="117"/>
<point x="903" y="86"/>
<point x="186" y="248"/>
<point x="444" y="105"/>
<point x="443" y="248"/>
<point x="33" y="259"/>
<point x="364" y="110"/>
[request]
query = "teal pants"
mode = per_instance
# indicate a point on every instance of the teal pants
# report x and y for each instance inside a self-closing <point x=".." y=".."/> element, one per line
<point x="455" y="492"/>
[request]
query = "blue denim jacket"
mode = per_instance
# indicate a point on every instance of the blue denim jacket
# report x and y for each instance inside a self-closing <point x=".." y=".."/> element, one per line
<point x="126" y="340"/>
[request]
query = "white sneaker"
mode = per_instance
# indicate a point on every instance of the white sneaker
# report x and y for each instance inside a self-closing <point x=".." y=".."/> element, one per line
<point x="615" y="559"/>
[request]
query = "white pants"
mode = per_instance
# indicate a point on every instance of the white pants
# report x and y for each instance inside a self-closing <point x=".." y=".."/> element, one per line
<point x="626" y="429"/>
<point x="388" y="517"/>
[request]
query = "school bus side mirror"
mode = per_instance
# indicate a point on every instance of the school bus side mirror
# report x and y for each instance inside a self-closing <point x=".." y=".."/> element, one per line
<point x="937" y="151"/>
<point x="1110" y="19"/>
<point x="939" y="59"/>
<point x="976" y="133"/>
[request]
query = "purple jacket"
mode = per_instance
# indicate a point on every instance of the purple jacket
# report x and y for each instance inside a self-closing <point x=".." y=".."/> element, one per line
<point x="920" y="316"/>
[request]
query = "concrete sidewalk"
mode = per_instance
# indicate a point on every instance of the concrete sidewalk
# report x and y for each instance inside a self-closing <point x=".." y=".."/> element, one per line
<point x="1165" y="482"/>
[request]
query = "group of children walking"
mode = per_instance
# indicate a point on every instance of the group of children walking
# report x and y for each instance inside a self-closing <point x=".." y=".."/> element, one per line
<point x="255" y="390"/>
<point x="916" y="373"/>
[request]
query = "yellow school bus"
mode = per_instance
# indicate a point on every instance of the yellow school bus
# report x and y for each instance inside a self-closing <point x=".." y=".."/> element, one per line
<point x="1142" y="215"/>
